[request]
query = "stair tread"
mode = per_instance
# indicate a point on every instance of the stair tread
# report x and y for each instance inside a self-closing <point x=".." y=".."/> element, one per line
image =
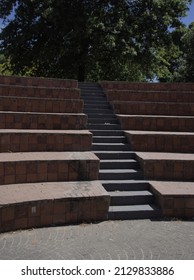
<point x="139" y="207"/>
<point x="119" y="160"/>
<point x="118" y="171"/>
<point x="130" y="193"/>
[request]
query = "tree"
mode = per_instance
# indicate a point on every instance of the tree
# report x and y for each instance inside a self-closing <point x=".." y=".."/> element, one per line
<point x="188" y="48"/>
<point x="120" y="40"/>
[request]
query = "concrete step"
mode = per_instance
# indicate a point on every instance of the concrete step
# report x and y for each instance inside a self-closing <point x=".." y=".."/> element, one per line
<point x="120" y="174"/>
<point x="157" y="123"/>
<point x="103" y="126"/>
<point x="36" y="167"/>
<point x="101" y="116"/>
<point x="133" y="212"/>
<point x="103" y="121"/>
<point x="86" y="95"/>
<point x="118" y="164"/>
<point x="97" y="111"/>
<point x="109" y="139"/>
<point x="178" y="96"/>
<point x="125" y="185"/>
<point x="153" y="108"/>
<point x="102" y="105"/>
<point x="111" y="147"/>
<point x="53" y="121"/>
<point x="51" y="203"/>
<point x="131" y="197"/>
<point x="115" y="155"/>
<point x="44" y="105"/>
<point x="110" y="133"/>
<point x="172" y="142"/>
<point x="39" y="92"/>
<point x="167" y="166"/>
<point x="38" y="82"/>
<point x="24" y="140"/>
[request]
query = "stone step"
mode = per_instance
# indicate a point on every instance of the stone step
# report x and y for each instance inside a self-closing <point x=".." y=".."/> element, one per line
<point x="142" y="86"/>
<point x="16" y="168"/>
<point x="111" y="147"/>
<point x="131" y="197"/>
<point x="20" y="140"/>
<point x="173" y="142"/>
<point x="115" y="155"/>
<point x="102" y="105"/>
<point x="174" y="198"/>
<point x="25" y="120"/>
<point x="167" y="166"/>
<point x="45" y="105"/>
<point x="152" y="96"/>
<point x="109" y="133"/>
<point x="101" y="116"/>
<point x="133" y="212"/>
<point x="51" y="204"/>
<point x="118" y="164"/>
<point x="86" y="95"/>
<point x="120" y="174"/>
<point x="125" y="185"/>
<point x="153" y="108"/>
<point x="103" y="121"/>
<point x="38" y="82"/>
<point x="109" y="139"/>
<point x="97" y="111"/>
<point x="157" y="123"/>
<point x="39" y="92"/>
<point x="103" y="126"/>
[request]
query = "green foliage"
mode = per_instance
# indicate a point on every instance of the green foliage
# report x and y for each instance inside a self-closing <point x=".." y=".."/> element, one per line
<point x="92" y="40"/>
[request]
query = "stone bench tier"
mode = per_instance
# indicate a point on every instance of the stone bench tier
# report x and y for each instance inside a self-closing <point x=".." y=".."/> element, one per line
<point x="47" y="204"/>
<point x="176" y="199"/>
<point x="153" y="108"/>
<point x="151" y="141"/>
<point x="37" y="81"/>
<point x="39" y="92"/>
<point x="16" y="168"/>
<point x="44" y="140"/>
<point x="25" y="120"/>
<point x="45" y="105"/>
<point x="110" y="85"/>
<point x="157" y="123"/>
<point x="167" y="166"/>
<point x="151" y="96"/>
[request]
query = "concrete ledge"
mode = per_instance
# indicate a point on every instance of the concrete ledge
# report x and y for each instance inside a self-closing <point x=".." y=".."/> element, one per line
<point x="151" y="141"/>
<point x="25" y="120"/>
<point x="167" y="166"/>
<point x="39" y="92"/>
<point x="176" y="199"/>
<point x="45" y="105"/>
<point x="157" y="123"/>
<point x="179" y="96"/>
<point x="16" y="168"/>
<point x="46" y="204"/>
<point x="153" y="108"/>
<point x="146" y="86"/>
<point x="38" y="81"/>
<point x="44" y="140"/>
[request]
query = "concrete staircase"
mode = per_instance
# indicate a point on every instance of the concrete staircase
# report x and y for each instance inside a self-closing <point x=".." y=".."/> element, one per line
<point x="119" y="173"/>
<point x="48" y="174"/>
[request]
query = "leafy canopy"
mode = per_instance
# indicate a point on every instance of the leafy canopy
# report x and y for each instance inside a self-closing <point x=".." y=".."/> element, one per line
<point x="91" y="40"/>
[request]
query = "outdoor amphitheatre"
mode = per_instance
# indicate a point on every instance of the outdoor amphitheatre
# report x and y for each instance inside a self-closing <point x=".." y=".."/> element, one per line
<point x="74" y="152"/>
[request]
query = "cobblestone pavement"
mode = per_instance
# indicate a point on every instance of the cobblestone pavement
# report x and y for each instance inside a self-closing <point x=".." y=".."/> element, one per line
<point x="143" y="239"/>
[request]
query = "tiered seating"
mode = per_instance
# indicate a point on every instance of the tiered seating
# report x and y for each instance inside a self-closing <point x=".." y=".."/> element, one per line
<point x="47" y="169"/>
<point x="158" y="120"/>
